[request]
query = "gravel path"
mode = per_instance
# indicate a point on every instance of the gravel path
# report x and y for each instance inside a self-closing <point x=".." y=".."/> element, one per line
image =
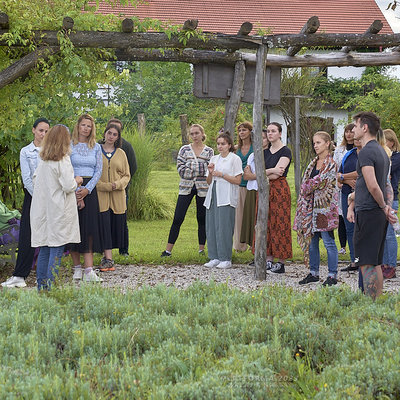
<point x="181" y="276"/>
<point x="240" y="276"/>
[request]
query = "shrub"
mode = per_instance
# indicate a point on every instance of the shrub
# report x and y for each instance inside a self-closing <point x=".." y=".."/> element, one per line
<point x="143" y="203"/>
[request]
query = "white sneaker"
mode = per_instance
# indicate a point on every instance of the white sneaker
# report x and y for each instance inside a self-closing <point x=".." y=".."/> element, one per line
<point x="225" y="264"/>
<point x="14" y="281"/>
<point x="91" y="277"/>
<point x="212" y="263"/>
<point x="77" y="274"/>
<point x="342" y="251"/>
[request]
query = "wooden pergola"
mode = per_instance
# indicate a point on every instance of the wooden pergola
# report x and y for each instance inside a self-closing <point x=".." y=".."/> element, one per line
<point x="237" y="50"/>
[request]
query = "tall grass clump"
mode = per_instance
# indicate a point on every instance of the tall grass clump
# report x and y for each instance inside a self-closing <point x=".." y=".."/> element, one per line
<point x="144" y="203"/>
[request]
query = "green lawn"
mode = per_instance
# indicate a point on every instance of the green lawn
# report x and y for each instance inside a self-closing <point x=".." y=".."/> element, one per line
<point x="148" y="238"/>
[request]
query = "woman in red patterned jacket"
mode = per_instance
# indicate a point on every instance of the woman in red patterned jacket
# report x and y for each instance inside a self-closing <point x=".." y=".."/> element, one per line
<point x="317" y="210"/>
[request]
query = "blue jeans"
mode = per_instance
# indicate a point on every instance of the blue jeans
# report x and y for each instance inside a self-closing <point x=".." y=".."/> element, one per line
<point x="331" y="249"/>
<point x="349" y="226"/>
<point x="390" y="251"/>
<point x="48" y="263"/>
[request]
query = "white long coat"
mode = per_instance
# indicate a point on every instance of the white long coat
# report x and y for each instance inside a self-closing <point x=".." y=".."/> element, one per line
<point x="54" y="213"/>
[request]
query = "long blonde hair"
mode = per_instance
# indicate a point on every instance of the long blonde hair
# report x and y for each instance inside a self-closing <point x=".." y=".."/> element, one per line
<point x="56" y="144"/>
<point x="92" y="137"/>
<point x="391" y="135"/>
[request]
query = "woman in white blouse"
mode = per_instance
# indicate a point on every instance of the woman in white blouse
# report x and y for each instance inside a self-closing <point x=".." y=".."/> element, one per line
<point x="224" y="175"/>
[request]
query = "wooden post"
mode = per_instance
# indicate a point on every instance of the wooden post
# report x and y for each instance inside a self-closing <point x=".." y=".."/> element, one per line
<point x="311" y="26"/>
<point x="260" y="256"/>
<point x="184" y="129"/>
<point x="297" y="171"/>
<point x="232" y="106"/>
<point x="141" y="124"/>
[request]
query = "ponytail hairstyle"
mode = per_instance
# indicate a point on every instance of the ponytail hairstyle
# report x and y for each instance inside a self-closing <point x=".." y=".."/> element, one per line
<point x="228" y="138"/>
<point x="326" y="137"/>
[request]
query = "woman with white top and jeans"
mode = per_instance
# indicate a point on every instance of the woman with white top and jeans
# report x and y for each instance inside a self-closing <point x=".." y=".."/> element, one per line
<point x="224" y="175"/>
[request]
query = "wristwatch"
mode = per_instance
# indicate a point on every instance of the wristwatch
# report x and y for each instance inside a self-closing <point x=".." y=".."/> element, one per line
<point x="342" y="177"/>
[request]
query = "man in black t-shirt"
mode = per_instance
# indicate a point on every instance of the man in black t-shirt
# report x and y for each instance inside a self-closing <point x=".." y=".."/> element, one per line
<point x="372" y="211"/>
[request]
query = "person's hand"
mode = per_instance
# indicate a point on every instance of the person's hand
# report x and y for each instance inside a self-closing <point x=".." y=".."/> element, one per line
<point x="391" y="215"/>
<point x="114" y="186"/>
<point x="210" y="168"/>
<point x="352" y="183"/>
<point x="339" y="185"/>
<point x="280" y="170"/>
<point x="350" y="215"/>
<point x="81" y="193"/>
<point x="79" y="180"/>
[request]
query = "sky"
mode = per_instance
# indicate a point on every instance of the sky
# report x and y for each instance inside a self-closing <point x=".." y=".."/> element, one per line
<point x="393" y="17"/>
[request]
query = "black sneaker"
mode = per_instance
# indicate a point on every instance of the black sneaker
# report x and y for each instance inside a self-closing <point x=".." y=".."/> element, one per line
<point x="349" y="268"/>
<point x="310" y="278"/>
<point x="278" y="268"/>
<point x="330" y="281"/>
<point x="268" y="265"/>
<point x="165" y="253"/>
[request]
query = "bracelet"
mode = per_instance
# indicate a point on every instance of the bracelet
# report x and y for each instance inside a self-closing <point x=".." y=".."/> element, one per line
<point x="342" y="177"/>
<point x="383" y="207"/>
<point x="222" y="175"/>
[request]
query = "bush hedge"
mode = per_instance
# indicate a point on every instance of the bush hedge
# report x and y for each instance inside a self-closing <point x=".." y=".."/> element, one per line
<point x="205" y="342"/>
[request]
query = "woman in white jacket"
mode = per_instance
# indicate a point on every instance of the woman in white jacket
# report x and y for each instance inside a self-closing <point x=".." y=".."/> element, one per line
<point x="54" y="214"/>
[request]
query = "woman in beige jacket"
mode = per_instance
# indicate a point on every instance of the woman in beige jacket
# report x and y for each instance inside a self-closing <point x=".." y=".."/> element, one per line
<point x="54" y="215"/>
<point x="111" y="192"/>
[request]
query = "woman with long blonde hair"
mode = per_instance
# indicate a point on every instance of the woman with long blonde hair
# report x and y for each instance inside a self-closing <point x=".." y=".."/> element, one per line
<point x="317" y="210"/>
<point x="390" y="251"/>
<point x="87" y="161"/>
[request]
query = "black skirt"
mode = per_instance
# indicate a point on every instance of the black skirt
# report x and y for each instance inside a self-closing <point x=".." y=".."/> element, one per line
<point x="112" y="227"/>
<point x="89" y="225"/>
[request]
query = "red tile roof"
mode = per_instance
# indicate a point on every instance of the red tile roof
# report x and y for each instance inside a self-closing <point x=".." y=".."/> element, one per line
<point x="281" y="16"/>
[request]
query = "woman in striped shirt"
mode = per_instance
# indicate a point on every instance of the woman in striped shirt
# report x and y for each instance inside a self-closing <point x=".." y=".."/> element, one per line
<point x="192" y="163"/>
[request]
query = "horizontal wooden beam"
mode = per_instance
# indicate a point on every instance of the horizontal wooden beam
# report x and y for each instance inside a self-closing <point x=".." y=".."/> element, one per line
<point x="336" y="59"/>
<point x="121" y="40"/>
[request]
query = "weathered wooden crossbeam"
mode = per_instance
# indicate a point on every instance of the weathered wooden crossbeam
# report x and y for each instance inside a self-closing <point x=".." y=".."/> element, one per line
<point x="122" y="40"/>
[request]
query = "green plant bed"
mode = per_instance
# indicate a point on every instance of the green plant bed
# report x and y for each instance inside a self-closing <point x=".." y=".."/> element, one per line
<point x="205" y="342"/>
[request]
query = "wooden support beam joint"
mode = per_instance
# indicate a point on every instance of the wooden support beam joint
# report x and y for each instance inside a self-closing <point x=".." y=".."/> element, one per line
<point x="68" y="24"/>
<point x="245" y="29"/>
<point x="190" y="25"/>
<point x="4" y="21"/>
<point x="311" y="26"/>
<point x="127" y="25"/>
<point x="374" y="28"/>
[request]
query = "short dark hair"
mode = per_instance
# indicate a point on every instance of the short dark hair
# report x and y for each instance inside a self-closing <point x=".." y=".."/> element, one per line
<point x="115" y="121"/>
<point x="370" y="119"/>
<point x="39" y="120"/>
<point x="228" y="138"/>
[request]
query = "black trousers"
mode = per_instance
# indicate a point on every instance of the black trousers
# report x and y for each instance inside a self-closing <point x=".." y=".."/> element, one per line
<point x="342" y="231"/>
<point x="125" y="248"/>
<point x="25" y="251"/>
<point x="181" y="208"/>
